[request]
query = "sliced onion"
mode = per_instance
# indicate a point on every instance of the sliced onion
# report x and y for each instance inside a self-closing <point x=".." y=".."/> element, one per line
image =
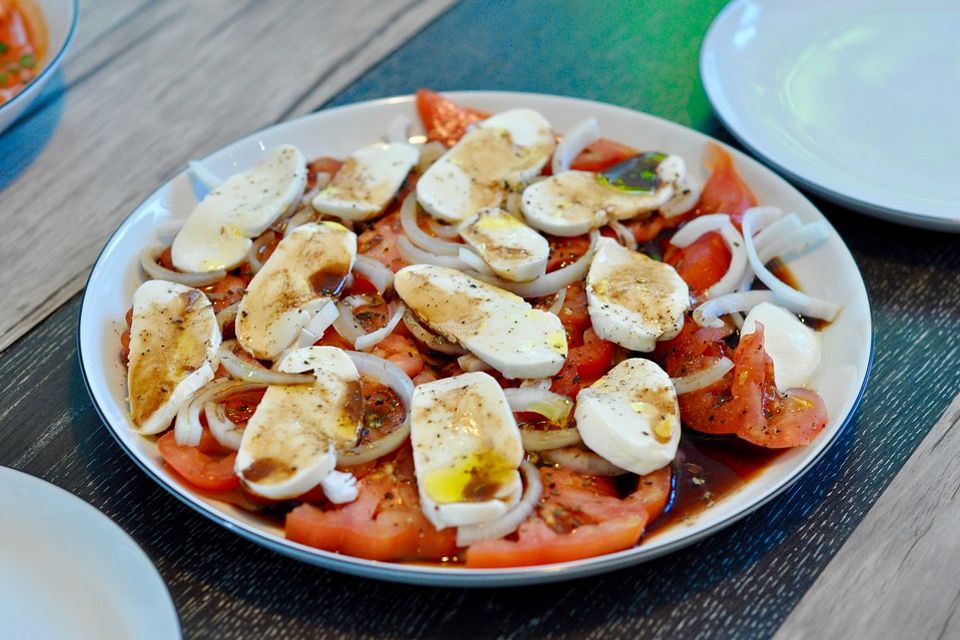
<point x="204" y="175"/>
<point x="432" y="340"/>
<point x="474" y="261"/>
<point x="221" y="427"/>
<point x="187" y="429"/>
<point x="346" y="323"/>
<point x="738" y="255"/>
<point x="430" y="152"/>
<point x="794" y="300"/>
<point x="581" y="461"/>
<point x="415" y="255"/>
<point x="508" y="522"/>
<point x="558" y="301"/>
<point x="369" y="340"/>
<point x="784" y="226"/>
<point x="625" y="236"/>
<point x="419" y="237"/>
<point x="552" y="282"/>
<point x="376" y="272"/>
<point x="390" y="375"/>
<point x="318" y="324"/>
<point x="709" y="313"/>
<point x="148" y="261"/>
<point x="703" y="378"/>
<point x="548" y="439"/>
<point x="577" y="139"/>
<point x="442" y="230"/>
<point x="552" y="406"/>
<point x="471" y="363"/>
<point x="227" y="315"/>
<point x="253" y="258"/>
<point x="306" y="213"/>
<point x="797" y="241"/>
<point x="536" y="383"/>
<point x="246" y="371"/>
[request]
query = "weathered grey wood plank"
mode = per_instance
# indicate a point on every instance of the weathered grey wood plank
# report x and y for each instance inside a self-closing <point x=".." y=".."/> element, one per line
<point x="150" y="87"/>
<point x="896" y="576"/>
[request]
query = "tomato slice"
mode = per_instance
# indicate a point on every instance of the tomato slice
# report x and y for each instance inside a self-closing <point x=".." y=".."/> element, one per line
<point x="444" y="120"/>
<point x="384" y="522"/>
<point x="204" y="471"/>
<point x="574" y="314"/>
<point x="702" y="263"/>
<point x="601" y="155"/>
<point x="578" y="517"/>
<point x="584" y="365"/>
<point x="380" y="242"/>
<point x="227" y="291"/>
<point x="725" y="191"/>
<point x="564" y="251"/>
<point x="402" y="352"/>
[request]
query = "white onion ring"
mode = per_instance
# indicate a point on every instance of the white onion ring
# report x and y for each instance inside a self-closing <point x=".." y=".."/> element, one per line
<point x="577" y="139"/>
<point x="471" y="363"/>
<point x="415" y="255"/>
<point x="203" y="175"/>
<point x="536" y="383"/>
<point x="794" y="300"/>
<point x="227" y="315"/>
<point x="318" y="324"/>
<point x="243" y="370"/>
<point x="148" y="261"/>
<point x="784" y="226"/>
<point x="548" y="439"/>
<point x="390" y="375"/>
<point x="419" y="237"/>
<point x="187" y="429"/>
<point x="252" y="258"/>
<point x="508" y="522"/>
<point x="430" y="152"/>
<point x="800" y="240"/>
<point x="432" y="340"/>
<point x="447" y="231"/>
<point x="222" y="428"/>
<point x="720" y="222"/>
<point x="376" y="272"/>
<point x="346" y="323"/>
<point x="625" y="236"/>
<point x="708" y="314"/>
<point x="703" y="378"/>
<point x="369" y="340"/>
<point x="581" y="461"/>
<point x="533" y="399"/>
<point x="552" y="282"/>
<point x="474" y="261"/>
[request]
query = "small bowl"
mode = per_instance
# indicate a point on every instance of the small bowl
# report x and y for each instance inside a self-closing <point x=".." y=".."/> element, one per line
<point x="60" y="17"/>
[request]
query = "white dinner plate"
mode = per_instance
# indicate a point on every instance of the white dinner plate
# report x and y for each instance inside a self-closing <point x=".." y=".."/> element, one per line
<point x="828" y="272"/>
<point x="855" y="100"/>
<point x="67" y="571"/>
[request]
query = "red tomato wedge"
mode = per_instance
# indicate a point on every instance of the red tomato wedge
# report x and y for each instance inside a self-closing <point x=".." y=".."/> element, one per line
<point x="725" y="191"/>
<point x="227" y="291"/>
<point x="578" y="517"/>
<point x="380" y="242"/>
<point x="444" y="120"/>
<point x="601" y="155"/>
<point x="383" y="523"/>
<point x="204" y="471"/>
<point x="702" y="263"/>
<point x="585" y="364"/>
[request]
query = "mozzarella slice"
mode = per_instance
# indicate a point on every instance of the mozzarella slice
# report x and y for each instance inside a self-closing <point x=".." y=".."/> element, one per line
<point x="573" y="202"/>
<point x="498" y="155"/>
<point x="466" y="450"/>
<point x="634" y="300"/>
<point x="218" y="232"/>
<point x="308" y="266"/>
<point x="497" y="326"/>
<point x="289" y="444"/>
<point x="367" y="182"/>
<point x="174" y="340"/>
<point x="631" y="417"/>
<point x="510" y="248"/>
<point x="794" y="347"/>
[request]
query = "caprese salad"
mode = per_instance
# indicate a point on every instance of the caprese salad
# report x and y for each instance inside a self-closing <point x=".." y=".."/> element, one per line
<point x="499" y="345"/>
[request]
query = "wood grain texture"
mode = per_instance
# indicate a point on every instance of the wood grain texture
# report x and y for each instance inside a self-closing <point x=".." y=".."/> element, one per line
<point x="897" y="573"/>
<point x="147" y="87"/>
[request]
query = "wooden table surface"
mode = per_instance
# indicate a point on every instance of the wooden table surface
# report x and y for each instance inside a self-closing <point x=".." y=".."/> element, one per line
<point x="863" y="546"/>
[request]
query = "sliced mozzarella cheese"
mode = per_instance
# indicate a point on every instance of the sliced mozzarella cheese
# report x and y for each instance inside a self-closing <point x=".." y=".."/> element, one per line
<point x="218" y="232"/>
<point x="174" y="340"/>
<point x="794" y="347"/>
<point x="498" y="155"/>
<point x="367" y="182"/>
<point x="573" y="202"/>
<point x="510" y="248"/>
<point x="466" y="450"/>
<point x="497" y="326"/>
<point x="289" y="444"/>
<point x="634" y="300"/>
<point x="307" y="267"/>
<point x="631" y="417"/>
